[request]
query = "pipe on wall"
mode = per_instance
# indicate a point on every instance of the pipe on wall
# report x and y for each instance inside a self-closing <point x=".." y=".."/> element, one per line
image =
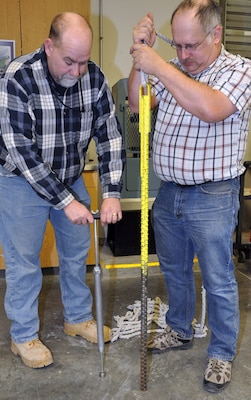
<point x="101" y="33"/>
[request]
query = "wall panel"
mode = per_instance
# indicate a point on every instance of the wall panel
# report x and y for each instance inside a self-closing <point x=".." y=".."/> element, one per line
<point x="36" y="18"/>
<point x="10" y="22"/>
<point x="28" y="21"/>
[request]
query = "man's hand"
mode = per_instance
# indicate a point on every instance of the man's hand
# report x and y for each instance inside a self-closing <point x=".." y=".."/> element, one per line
<point x="110" y="211"/>
<point x="144" y="31"/>
<point x="146" y="59"/>
<point x="78" y="214"/>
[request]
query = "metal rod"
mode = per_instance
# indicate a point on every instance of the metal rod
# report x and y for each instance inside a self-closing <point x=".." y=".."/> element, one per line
<point x="99" y="316"/>
<point x="143" y="356"/>
<point x="101" y="33"/>
<point x="166" y="39"/>
<point x="98" y="298"/>
<point x="144" y="128"/>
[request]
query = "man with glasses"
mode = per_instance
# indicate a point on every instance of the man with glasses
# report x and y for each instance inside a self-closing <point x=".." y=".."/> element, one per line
<point x="52" y="103"/>
<point x="204" y="103"/>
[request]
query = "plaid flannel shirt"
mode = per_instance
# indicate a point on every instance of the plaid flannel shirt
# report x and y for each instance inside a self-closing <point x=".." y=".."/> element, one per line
<point x="45" y="129"/>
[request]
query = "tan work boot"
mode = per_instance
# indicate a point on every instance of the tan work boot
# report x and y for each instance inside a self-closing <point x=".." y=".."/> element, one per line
<point x="88" y="330"/>
<point x="34" y="354"/>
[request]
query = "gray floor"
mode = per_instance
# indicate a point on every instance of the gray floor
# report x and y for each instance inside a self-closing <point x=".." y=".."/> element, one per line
<point x="75" y="372"/>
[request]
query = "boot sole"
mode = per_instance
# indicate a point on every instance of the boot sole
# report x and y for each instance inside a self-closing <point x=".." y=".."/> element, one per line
<point x="68" y="330"/>
<point x="211" y="387"/>
<point x="70" y="333"/>
<point x="186" y="346"/>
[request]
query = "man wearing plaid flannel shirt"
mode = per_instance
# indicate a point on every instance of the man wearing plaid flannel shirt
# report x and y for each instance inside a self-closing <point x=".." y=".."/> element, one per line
<point x="52" y="103"/>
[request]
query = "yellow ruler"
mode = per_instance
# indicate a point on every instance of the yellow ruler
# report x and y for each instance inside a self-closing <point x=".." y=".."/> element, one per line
<point x="144" y="129"/>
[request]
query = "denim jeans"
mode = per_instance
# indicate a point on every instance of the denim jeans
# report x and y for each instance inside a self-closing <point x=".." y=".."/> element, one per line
<point x="200" y="220"/>
<point x="23" y="218"/>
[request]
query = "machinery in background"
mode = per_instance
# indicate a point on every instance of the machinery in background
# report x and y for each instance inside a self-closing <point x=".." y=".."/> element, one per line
<point x="130" y="127"/>
<point x="124" y="237"/>
<point x="242" y="245"/>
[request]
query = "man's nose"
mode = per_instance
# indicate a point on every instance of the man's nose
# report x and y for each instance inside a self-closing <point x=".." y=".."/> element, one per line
<point x="75" y="71"/>
<point x="184" y="52"/>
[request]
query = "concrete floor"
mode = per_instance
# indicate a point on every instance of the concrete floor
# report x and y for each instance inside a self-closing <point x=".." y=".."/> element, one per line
<point x="75" y="373"/>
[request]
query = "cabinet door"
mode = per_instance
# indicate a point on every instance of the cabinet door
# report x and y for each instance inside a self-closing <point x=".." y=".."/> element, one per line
<point x="37" y="17"/>
<point x="28" y="21"/>
<point x="10" y="22"/>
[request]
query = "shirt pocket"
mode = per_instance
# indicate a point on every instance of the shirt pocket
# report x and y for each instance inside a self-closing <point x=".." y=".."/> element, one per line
<point x="86" y="125"/>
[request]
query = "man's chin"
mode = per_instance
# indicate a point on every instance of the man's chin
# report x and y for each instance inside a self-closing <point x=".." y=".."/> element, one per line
<point x="67" y="83"/>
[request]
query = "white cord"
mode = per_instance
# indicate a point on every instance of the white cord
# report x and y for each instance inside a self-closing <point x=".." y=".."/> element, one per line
<point x="200" y="329"/>
<point x="129" y="325"/>
<point x="144" y="78"/>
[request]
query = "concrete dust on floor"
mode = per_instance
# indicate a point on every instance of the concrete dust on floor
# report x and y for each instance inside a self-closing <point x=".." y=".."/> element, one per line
<point x="176" y="375"/>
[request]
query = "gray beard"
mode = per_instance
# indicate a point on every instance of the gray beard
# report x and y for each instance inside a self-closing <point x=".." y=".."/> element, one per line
<point x="67" y="83"/>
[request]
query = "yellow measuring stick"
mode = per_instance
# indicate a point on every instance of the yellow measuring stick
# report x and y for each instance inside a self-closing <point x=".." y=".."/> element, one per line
<point x="144" y="129"/>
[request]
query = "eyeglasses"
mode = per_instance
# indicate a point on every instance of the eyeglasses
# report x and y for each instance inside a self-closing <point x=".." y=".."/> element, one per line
<point x="188" y="46"/>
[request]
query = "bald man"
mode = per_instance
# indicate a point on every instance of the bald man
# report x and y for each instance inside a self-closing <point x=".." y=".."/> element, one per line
<point x="52" y="103"/>
<point x="204" y="103"/>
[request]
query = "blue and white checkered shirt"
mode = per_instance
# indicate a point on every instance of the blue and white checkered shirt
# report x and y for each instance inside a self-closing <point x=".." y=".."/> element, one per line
<point x="46" y="130"/>
<point x="189" y="151"/>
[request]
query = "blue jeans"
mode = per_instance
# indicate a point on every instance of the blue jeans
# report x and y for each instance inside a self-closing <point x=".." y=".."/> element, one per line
<point x="23" y="218"/>
<point x="200" y="219"/>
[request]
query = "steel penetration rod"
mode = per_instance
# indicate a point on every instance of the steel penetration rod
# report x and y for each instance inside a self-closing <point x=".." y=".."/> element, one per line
<point x="162" y="37"/>
<point x="143" y="357"/>
<point x="99" y="316"/>
<point x="144" y="101"/>
<point x="98" y="299"/>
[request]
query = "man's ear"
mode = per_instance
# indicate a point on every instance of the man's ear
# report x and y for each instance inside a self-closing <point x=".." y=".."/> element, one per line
<point x="48" y="45"/>
<point x="217" y="33"/>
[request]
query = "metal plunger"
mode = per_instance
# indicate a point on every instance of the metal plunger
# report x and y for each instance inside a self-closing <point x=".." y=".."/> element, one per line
<point x="98" y="297"/>
<point x="144" y="128"/>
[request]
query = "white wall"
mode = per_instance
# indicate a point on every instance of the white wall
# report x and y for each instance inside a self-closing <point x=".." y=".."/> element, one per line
<point x="119" y="18"/>
<point x="248" y="151"/>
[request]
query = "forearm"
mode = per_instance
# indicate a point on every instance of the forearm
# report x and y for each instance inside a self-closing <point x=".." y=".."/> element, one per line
<point x="111" y="179"/>
<point x="195" y="97"/>
<point x="134" y="82"/>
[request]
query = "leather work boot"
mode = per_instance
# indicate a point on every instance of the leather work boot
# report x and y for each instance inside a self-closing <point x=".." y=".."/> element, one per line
<point x="88" y="330"/>
<point x="34" y="354"/>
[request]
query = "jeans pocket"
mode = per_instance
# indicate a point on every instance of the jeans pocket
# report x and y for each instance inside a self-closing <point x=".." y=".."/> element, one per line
<point x="221" y="188"/>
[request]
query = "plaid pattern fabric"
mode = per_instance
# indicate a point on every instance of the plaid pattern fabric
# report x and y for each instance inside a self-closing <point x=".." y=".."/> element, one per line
<point x="189" y="151"/>
<point x="46" y="129"/>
